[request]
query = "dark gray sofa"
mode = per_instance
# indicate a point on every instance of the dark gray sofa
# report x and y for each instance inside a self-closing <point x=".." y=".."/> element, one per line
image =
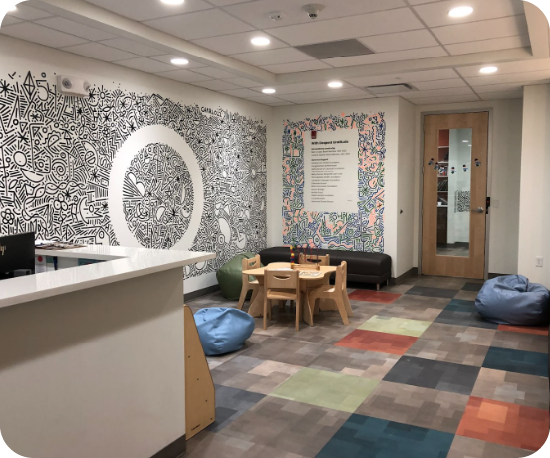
<point x="362" y="267"/>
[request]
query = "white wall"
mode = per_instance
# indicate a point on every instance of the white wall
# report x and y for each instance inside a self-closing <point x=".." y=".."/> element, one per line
<point x="534" y="228"/>
<point x="408" y="137"/>
<point x="505" y="125"/>
<point x="19" y="56"/>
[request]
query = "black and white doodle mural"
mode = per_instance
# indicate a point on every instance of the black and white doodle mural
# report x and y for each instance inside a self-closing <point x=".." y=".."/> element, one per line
<point x="56" y="155"/>
<point x="158" y="196"/>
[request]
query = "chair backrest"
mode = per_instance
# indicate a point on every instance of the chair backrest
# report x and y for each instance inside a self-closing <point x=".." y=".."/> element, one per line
<point x="314" y="259"/>
<point x="282" y="280"/>
<point x="252" y="263"/>
<point x="341" y="282"/>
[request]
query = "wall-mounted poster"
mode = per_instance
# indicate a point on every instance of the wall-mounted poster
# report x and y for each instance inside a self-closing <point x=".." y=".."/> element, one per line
<point x="330" y="166"/>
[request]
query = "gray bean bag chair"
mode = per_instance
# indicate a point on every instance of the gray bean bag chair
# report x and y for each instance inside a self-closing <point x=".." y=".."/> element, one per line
<point x="513" y="300"/>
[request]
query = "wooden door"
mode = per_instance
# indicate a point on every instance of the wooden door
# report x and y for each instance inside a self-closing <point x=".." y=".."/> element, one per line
<point x="455" y="194"/>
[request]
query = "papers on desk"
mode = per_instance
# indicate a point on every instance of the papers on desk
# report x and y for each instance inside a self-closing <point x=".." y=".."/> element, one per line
<point x="314" y="274"/>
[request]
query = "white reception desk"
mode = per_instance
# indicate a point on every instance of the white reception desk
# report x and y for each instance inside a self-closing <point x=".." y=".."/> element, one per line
<point x="92" y="357"/>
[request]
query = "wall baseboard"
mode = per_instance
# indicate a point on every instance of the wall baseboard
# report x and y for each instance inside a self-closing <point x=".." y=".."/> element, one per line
<point x="491" y="276"/>
<point x="402" y="278"/>
<point x="174" y="450"/>
<point x="200" y="292"/>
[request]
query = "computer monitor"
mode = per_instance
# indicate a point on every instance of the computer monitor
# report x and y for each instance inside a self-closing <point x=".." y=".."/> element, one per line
<point x="17" y="254"/>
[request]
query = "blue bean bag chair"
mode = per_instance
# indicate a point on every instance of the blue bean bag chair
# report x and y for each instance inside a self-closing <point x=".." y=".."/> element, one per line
<point x="513" y="300"/>
<point x="223" y="330"/>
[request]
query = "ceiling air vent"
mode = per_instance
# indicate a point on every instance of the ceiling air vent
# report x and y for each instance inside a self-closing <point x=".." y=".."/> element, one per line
<point x="390" y="88"/>
<point x="343" y="48"/>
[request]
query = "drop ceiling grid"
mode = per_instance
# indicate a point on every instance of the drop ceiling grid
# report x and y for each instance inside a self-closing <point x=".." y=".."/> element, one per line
<point x="416" y="38"/>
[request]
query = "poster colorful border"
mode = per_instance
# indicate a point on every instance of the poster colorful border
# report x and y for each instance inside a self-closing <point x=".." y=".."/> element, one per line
<point x="361" y="231"/>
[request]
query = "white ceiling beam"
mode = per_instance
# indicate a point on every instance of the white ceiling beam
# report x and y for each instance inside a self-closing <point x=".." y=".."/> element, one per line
<point x="538" y="31"/>
<point x="94" y="16"/>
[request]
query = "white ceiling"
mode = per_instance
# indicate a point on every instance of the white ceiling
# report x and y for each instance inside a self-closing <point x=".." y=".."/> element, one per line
<point x="217" y="36"/>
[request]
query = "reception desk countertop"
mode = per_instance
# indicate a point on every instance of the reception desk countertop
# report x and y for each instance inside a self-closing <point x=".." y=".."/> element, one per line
<point x="121" y="264"/>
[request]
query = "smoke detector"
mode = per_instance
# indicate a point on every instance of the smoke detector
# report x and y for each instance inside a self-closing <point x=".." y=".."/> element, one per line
<point x="313" y="10"/>
<point x="275" y="15"/>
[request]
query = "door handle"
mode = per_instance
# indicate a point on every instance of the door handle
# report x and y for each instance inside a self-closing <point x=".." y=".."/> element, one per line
<point x="479" y="210"/>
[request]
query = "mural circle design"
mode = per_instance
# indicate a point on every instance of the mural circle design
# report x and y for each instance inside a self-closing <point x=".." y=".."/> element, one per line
<point x="158" y="196"/>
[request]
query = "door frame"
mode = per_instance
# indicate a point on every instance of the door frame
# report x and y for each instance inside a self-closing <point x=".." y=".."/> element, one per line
<point x="421" y="165"/>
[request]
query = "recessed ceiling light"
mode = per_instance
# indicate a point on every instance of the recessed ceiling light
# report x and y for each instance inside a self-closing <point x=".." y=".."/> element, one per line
<point x="179" y="61"/>
<point x="335" y="84"/>
<point x="464" y="141"/>
<point x="269" y="90"/>
<point x="173" y="2"/>
<point x="486" y="70"/>
<point x="461" y="11"/>
<point x="260" y="41"/>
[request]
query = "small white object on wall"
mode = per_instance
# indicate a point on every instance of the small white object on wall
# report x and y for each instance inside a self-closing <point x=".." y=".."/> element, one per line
<point x="70" y="85"/>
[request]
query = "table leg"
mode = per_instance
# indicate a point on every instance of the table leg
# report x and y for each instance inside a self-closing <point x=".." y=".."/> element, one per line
<point x="307" y="309"/>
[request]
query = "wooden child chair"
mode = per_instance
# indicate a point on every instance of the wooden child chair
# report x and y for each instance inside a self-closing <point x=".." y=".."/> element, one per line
<point x="248" y="285"/>
<point x="281" y="285"/>
<point x="314" y="259"/>
<point x="338" y="293"/>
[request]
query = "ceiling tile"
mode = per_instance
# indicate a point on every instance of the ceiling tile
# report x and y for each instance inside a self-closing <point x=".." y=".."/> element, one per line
<point x="185" y="76"/>
<point x="242" y="92"/>
<point x="238" y="43"/>
<point x="412" y="77"/>
<point x="41" y="35"/>
<point x="243" y="82"/>
<point x="495" y="44"/>
<point x="324" y="95"/>
<point x="75" y="28"/>
<point x="305" y="66"/>
<point x="419" y="2"/>
<point x="266" y="99"/>
<point x="437" y="14"/>
<point x="484" y="30"/>
<point x="305" y="87"/>
<point x="142" y="10"/>
<point x="124" y="44"/>
<point x="216" y="85"/>
<point x="99" y="51"/>
<point x="400" y="41"/>
<point x="439" y="84"/>
<point x="227" y="2"/>
<point x="509" y="78"/>
<point x="10" y="20"/>
<point x="445" y="99"/>
<point x="508" y="67"/>
<point x="272" y="57"/>
<point x="502" y="95"/>
<point x="28" y="13"/>
<point x="214" y="72"/>
<point x="438" y="92"/>
<point x="257" y="12"/>
<point x="508" y="87"/>
<point x="167" y="60"/>
<point x="145" y="65"/>
<point x="337" y="99"/>
<point x="399" y="20"/>
<point x="202" y="24"/>
<point x="387" y="57"/>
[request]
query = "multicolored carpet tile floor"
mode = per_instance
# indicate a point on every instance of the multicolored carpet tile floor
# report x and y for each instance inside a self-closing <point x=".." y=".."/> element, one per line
<point x="416" y="374"/>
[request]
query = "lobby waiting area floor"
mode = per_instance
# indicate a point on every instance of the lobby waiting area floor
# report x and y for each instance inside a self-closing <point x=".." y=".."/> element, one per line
<point x="417" y="374"/>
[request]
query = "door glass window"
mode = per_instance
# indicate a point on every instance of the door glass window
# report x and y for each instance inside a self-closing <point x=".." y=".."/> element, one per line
<point x="454" y="168"/>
